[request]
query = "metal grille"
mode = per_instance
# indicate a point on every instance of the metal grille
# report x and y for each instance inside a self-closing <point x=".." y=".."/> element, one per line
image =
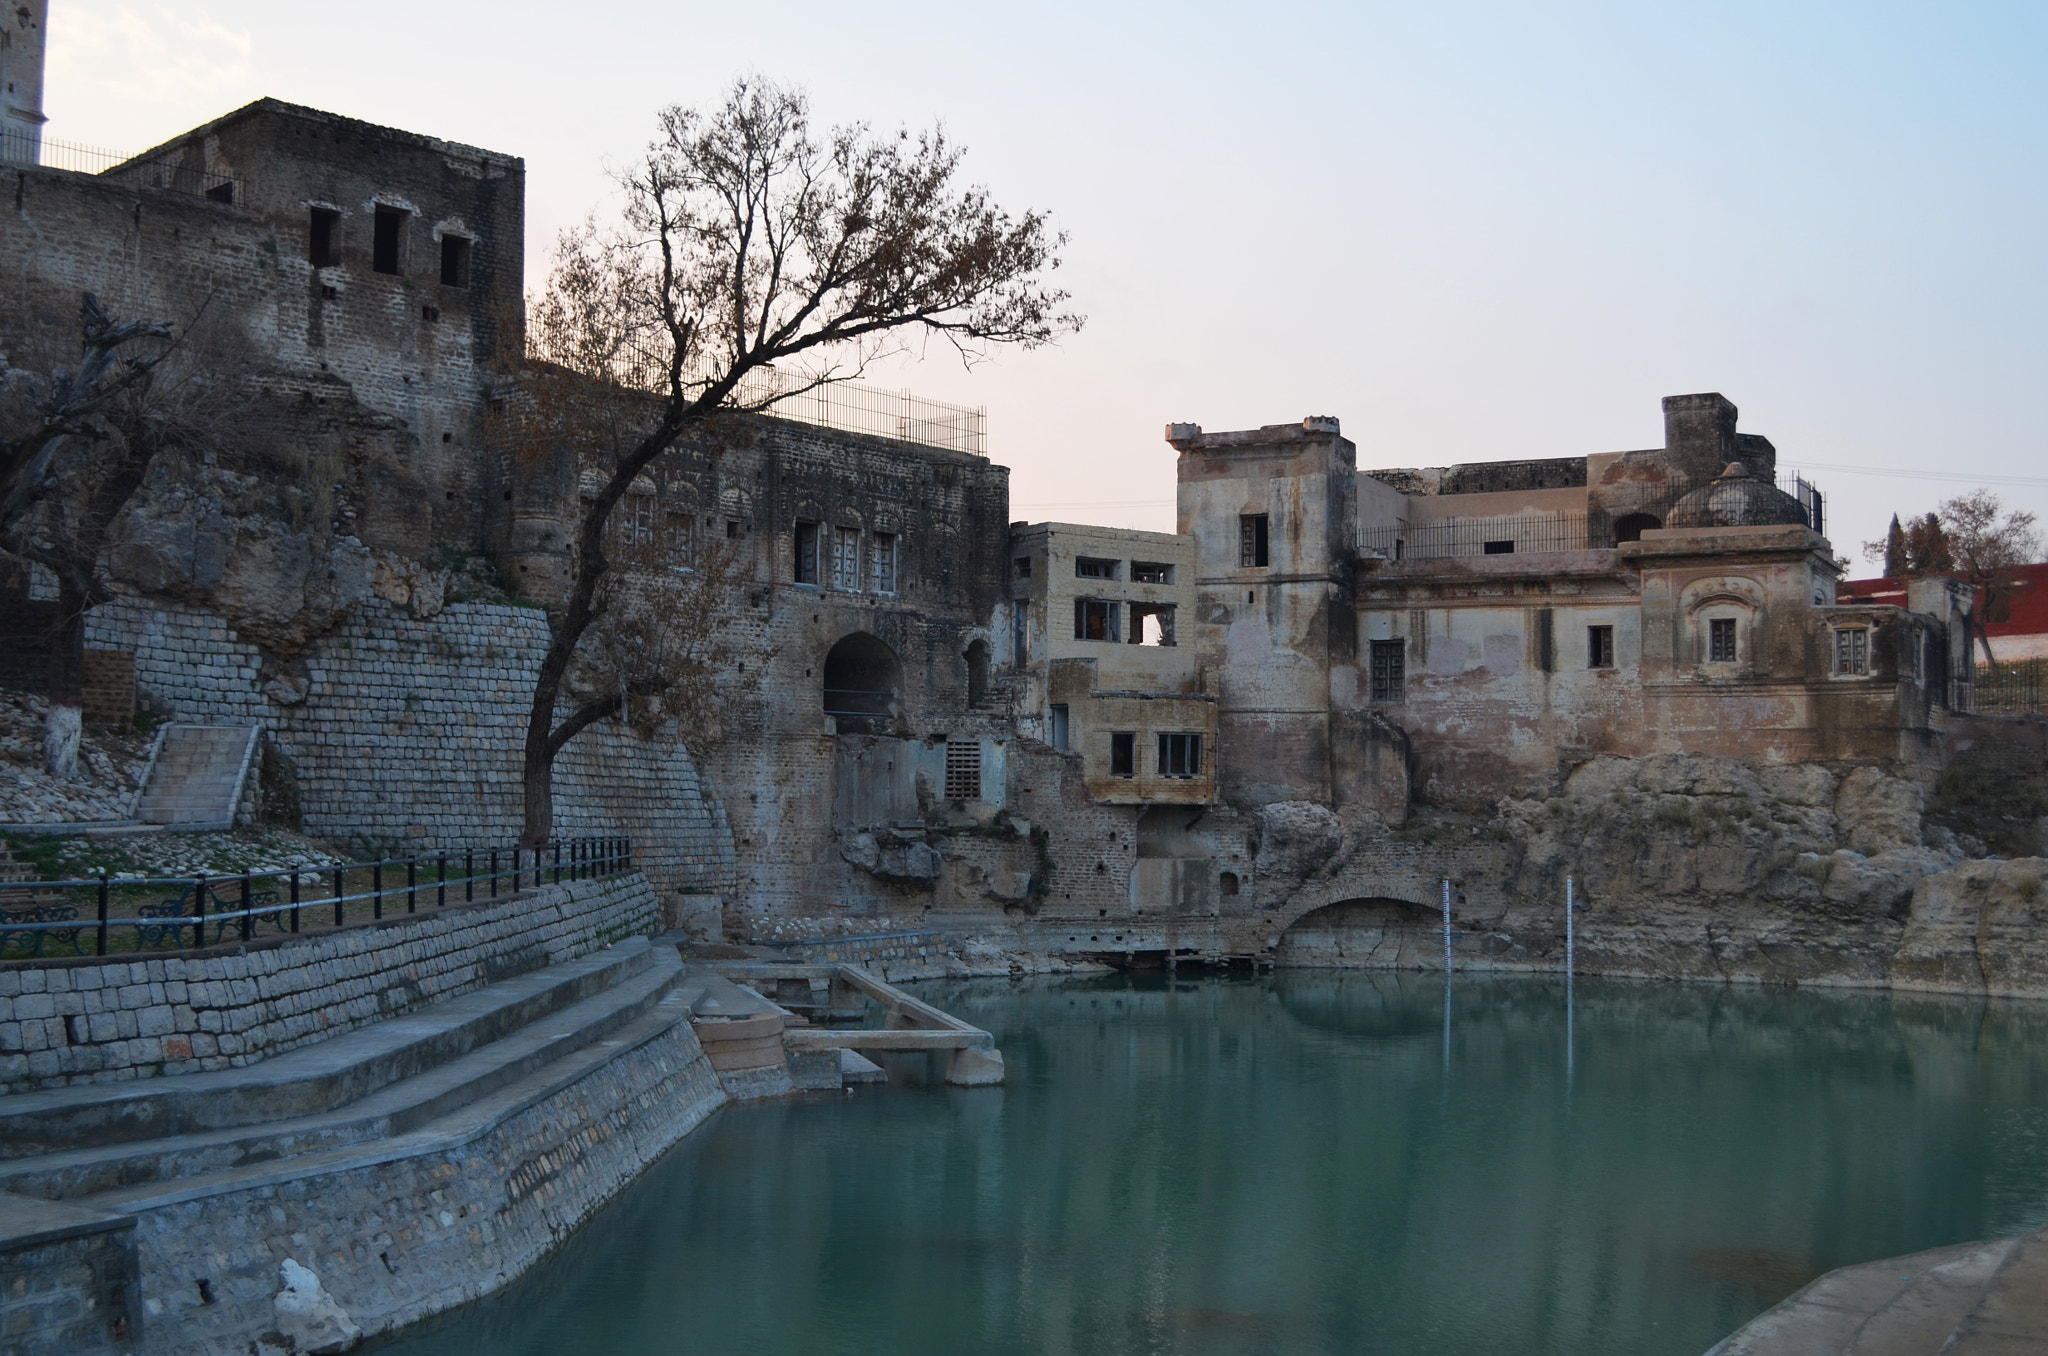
<point x="963" y="770"/>
<point x="1389" y="670"/>
<point x="1452" y="537"/>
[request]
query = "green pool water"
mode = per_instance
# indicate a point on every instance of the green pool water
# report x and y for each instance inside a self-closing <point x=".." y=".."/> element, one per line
<point x="1316" y="1163"/>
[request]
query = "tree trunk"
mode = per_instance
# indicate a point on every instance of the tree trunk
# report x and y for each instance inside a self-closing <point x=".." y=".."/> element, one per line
<point x="66" y="685"/>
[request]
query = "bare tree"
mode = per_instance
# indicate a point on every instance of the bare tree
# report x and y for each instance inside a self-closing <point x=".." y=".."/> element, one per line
<point x="1918" y="547"/>
<point x="1988" y="541"/>
<point x="750" y="245"/>
<point x="74" y="447"/>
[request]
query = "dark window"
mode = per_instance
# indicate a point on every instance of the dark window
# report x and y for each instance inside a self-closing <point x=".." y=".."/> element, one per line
<point x="1095" y="619"/>
<point x="430" y="313"/>
<point x="385" y="239"/>
<point x="1721" y="640"/>
<point x="330" y="293"/>
<point x="1227" y="883"/>
<point x="1151" y="623"/>
<point x="1632" y="527"/>
<point x="1251" y="541"/>
<point x="454" y="261"/>
<point x="1123" y="754"/>
<point x="323" y="246"/>
<point x="1599" y="647"/>
<point x="1500" y="548"/>
<point x="1546" y="640"/>
<point x="1060" y="726"/>
<point x="977" y="673"/>
<point x="1852" y="650"/>
<point x="1023" y="567"/>
<point x="222" y="192"/>
<point x="806" y="553"/>
<point x="963" y="769"/>
<point x="1089" y="567"/>
<point x="882" y="561"/>
<point x="1151" y="572"/>
<point x="732" y="529"/>
<point x="1180" y="755"/>
<point x="1389" y="670"/>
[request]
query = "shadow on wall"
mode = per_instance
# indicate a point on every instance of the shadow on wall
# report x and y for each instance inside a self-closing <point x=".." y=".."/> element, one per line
<point x="862" y="679"/>
<point x="1370" y="931"/>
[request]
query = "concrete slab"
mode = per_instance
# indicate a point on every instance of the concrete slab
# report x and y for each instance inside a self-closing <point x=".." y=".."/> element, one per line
<point x="2011" y="1315"/>
<point x="1902" y="1306"/>
<point x="26" y="1222"/>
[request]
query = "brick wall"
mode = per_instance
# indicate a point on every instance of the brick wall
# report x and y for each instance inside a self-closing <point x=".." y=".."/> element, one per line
<point x="411" y="732"/>
<point x="94" y="1022"/>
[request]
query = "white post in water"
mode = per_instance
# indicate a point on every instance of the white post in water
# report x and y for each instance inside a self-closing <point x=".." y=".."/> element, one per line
<point x="1570" y="960"/>
<point x="1447" y="927"/>
<point x="1447" y="989"/>
<point x="1570" y="964"/>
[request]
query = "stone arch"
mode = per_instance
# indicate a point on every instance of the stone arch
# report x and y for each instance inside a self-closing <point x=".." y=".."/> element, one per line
<point x="1630" y="527"/>
<point x="862" y="685"/>
<point x="1377" y="930"/>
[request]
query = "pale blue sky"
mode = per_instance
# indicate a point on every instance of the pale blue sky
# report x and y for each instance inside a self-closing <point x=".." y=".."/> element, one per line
<point x="1470" y="230"/>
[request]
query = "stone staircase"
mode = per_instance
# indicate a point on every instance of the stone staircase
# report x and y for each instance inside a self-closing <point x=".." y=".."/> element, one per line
<point x="1975" y="1299"/>
<point x="198" y="775"/>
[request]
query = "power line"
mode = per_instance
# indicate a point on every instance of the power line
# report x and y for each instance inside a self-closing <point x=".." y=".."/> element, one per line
<point x="2018" y="481"/>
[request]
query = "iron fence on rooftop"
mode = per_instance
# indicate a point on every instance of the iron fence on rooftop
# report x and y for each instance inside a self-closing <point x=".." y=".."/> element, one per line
<point x="122" y="915"/>
<point x="174" y="170"/>
<point x="1451" y="537"/>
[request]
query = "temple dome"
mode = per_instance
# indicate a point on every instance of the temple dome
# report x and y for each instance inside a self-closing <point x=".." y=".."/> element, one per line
<point x="1736" y="498"/>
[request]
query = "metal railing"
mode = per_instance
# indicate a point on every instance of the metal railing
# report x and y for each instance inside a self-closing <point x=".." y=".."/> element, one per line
<point x="2018" y="689"/>
<point x="1451" y="537"/>
<point x="171" y="170"/>
<point x="108" y="915"/>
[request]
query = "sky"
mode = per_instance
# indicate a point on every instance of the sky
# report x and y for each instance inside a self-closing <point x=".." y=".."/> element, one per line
<point x="1470" y="231"/>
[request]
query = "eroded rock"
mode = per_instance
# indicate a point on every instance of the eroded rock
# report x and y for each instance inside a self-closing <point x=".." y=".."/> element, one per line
<point x="307" y="1317"/>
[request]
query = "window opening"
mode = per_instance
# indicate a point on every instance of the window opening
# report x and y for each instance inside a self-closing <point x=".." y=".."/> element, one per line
<point x="1252" y="541"/>
<point x="386" y="234"/>
<point x="1023" y="567"/>
<point x="977" y="673"/>
<point x="1852" y="650"/>
<point x="1599" y="647"/>
<point x="1061" y="730"/>
<point x="1500" y="548"/>
<point x="732" y="529"/>
<point x="1096" y="619"/>
<point x="1151" y="572"/>
<point x="1123" y="753"/>
<point x="882" y="561"/>
<point x="323" y="246"/>
<point x="682" y="540"/>
<point x="1180" y="755"/>
<point x="454" y="261"/>
<point x="1721" y="640"/>
<point x="846" y="559"/>
<point x="1546" y="640"/>
<point x="1919" y="648"/>
<point x="806" y="553"/>
<point x="634" y="521"/>
<point x="1090" y="567"/>
<point x="1227" y="883"/>
<point x="222" y="192"/>
<point x="1152" y="624"/>
<point x="1020" y="640"/>
<point x="1632" y="527"/>
<point x="1389" y="670"/>
<point x="963" y="769"/>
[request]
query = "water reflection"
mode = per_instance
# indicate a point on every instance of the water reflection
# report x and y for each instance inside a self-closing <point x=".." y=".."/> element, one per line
<point x="1319" y="1162"/>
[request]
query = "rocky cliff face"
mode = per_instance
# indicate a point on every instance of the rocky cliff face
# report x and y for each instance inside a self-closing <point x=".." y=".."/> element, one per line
<point x="1682" y="867"/>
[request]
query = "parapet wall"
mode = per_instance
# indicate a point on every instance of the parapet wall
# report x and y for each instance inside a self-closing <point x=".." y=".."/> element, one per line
<point x="93" y="1022"/>
<point x="410" y="732"/>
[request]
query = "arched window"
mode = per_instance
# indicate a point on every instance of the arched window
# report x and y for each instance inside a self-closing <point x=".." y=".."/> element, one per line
<point x="977" y="673"/>
<point x="861" y="681"/>
<point x="1631" y="527"/>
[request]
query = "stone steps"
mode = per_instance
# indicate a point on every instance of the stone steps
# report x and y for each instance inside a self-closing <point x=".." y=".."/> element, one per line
<point x="1974" y="1299"/>
<point x="198" y="775"/>
<point x="313" y="1079"/>
<point x="394" y="1110"/>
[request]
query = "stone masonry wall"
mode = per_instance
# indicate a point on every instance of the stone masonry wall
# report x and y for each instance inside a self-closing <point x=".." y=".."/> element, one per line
<point x="93" y="1022"/>
<point x="410" y="733"/>
<point x="71" y="1296"/>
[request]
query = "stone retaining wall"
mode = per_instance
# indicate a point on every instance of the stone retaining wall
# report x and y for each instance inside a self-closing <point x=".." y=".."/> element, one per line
<point x="407" y="733"/>
<point x="89" y="1021"/>
<point x="894" y="955"/>
<point x="70" y="1283"/>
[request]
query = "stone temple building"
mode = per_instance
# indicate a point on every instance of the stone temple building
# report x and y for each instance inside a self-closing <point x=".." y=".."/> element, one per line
<point x="1085" y="739"/>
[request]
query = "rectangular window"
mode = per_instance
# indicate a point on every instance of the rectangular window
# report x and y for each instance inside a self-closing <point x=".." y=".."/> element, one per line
<point x="1152" y="623"/>
<point x="846" y="559"/>
<point x="681" y="534"/>
<point x="222" y="192"/>
<point x="1501" y="548"/>
<point x="1151" y="572"/>
<point x="732" y="529"/>
<point x="882" y="561"/>
<point x="963" y="769"/>
<point x="1599" y="647"/>
<point x="1919" y="649"/>
<point x="1020" y="638"/>
<point x="1060" y="728"/>
<point x="1389" y="670"/>
<point x="1546" y="640"/>
<point x="1251" y="541"/>
<point x="454" y="261"/>
<point x="633" y="522"/>
<point x="1721" y="640"/>
<point x="806" y="553"/>
<point x="1180" y="755"/>
<point x="1089" y="567"/>
<point x="1123" y="754"/>
<point x="1852" y="650"/>
<point x="1096" y="619"/>
<point x="323" y="248"/>
<point x="386" y="237"/>
<point x="1023" y="567"/>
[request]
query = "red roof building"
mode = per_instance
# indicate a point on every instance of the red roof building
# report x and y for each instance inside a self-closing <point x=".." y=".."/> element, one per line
<point x="2017" y="619"/>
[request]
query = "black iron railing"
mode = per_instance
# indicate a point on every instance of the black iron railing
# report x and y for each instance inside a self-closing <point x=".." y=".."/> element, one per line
<point x="109" y="915"/>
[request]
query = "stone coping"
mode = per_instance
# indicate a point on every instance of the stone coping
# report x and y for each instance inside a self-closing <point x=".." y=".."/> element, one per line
<point x="26" y="1222"/>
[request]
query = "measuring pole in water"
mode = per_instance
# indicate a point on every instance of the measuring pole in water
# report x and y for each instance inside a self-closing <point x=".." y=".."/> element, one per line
<point x="1570" y="938"/>
<point x="1447" y="929"/>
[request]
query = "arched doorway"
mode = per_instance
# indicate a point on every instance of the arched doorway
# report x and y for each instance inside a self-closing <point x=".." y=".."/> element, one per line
<point x="1376" y="931"/>
<point x="977" y="673"/>
<point x="1633" y="526"/>
<point x="861" y="681"/>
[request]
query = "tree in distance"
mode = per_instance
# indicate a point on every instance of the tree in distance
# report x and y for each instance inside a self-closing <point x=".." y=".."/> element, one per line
<point x="1972" y="536"/>
<point x="753" y="259"/>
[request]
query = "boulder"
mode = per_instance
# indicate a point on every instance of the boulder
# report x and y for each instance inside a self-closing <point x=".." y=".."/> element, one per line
<point x="307" y="1317"/>
<point x="1875" y="811"/>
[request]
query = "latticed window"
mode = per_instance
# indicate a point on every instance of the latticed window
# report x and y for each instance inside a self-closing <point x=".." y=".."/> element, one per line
<point x="846" y="559"/>
<point x="1180" y="755"/>
<point x="1096" y="619"/>
<point x="882" y="561"/>
<point x="806" y="553"/>
<point x="1852" y="650"/>
<point x="635" y="519"/>
<point x="1389" y="670"/>
<point x="1599" y="647"/>
<point x="1721" y="640"/>
<point x="1252" y="540"/>
<point x="963" y="769"/>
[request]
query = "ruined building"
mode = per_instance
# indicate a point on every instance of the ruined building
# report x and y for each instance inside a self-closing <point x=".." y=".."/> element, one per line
<point x="1079" y="738"/>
